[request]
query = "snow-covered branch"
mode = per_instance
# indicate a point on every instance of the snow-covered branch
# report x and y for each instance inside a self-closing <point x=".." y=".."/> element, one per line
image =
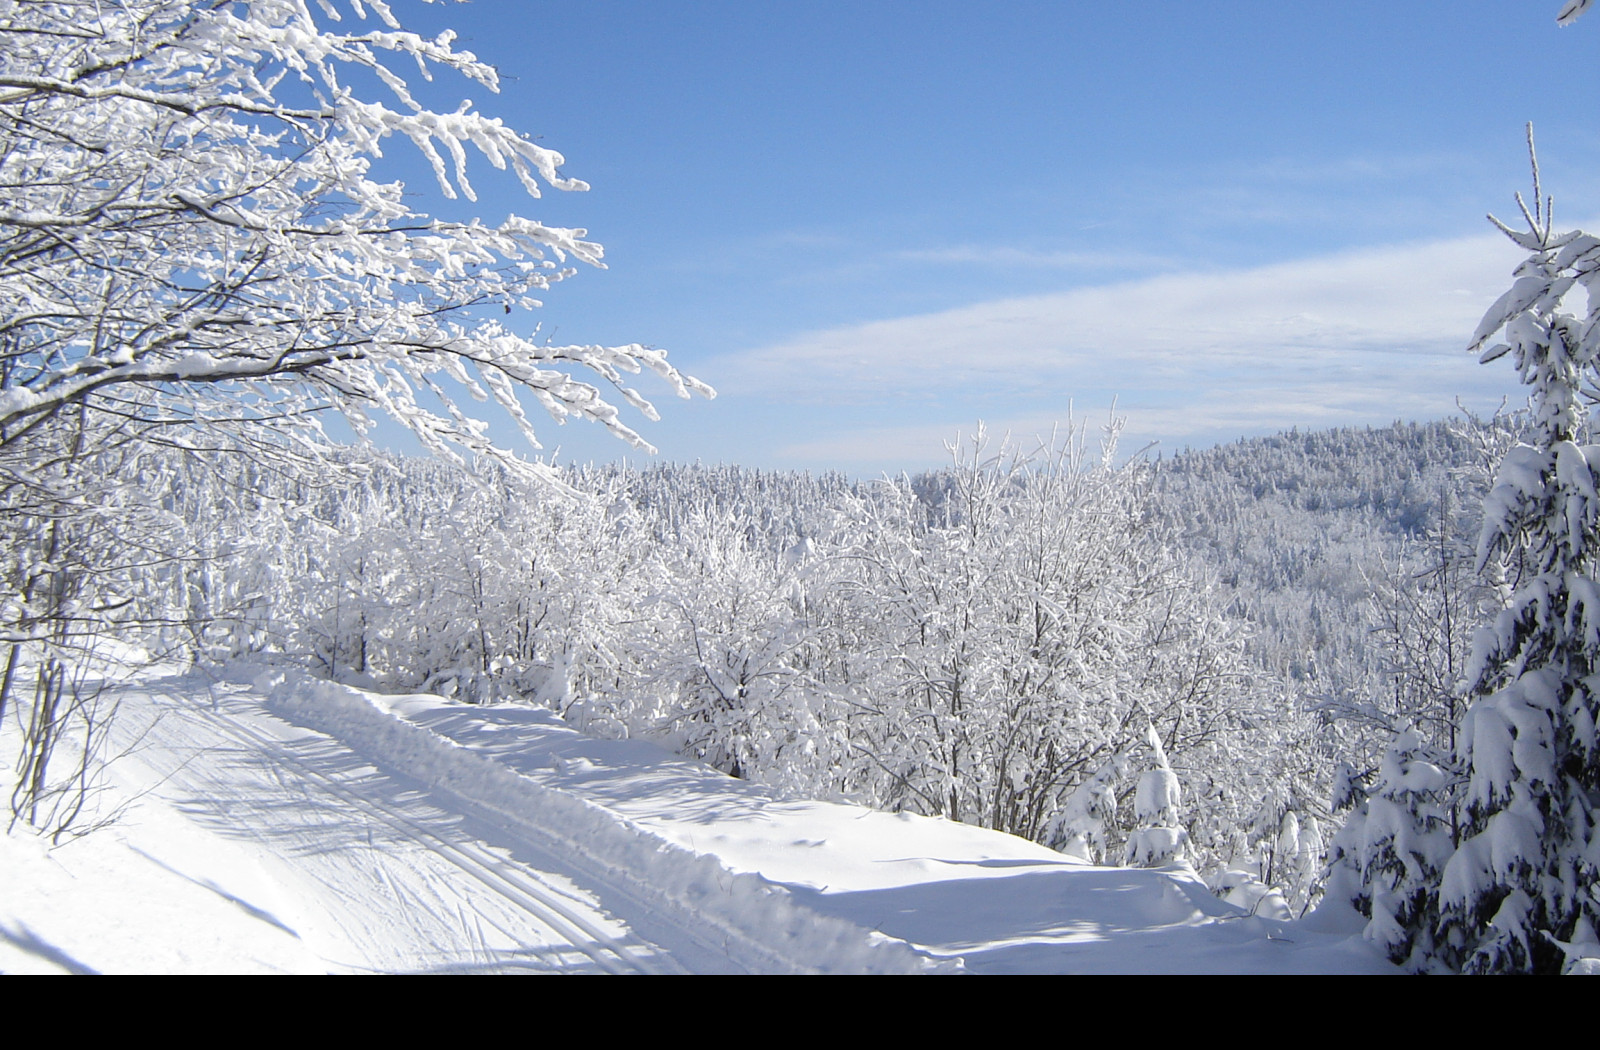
<point x="190" y="209"/>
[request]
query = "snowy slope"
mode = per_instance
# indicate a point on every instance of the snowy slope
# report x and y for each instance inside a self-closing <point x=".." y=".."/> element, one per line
<point x="283" y="824"/>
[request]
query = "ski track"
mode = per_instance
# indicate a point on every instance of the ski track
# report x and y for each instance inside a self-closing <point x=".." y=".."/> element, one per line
<point x="522" y="886"/>
<point x="745" y="919"/>
<point x="466" y="905"/>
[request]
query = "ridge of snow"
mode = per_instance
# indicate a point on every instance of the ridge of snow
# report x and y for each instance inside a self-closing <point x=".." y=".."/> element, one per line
<point x="758" y="918"/>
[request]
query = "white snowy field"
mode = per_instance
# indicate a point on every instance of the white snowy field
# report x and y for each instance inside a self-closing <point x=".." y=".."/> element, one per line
<point x="271" y="823"/>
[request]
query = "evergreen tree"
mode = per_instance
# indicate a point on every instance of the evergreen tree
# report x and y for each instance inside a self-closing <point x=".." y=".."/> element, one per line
<point x="1521" y="887"/>
<point x="1159" y="837"/>
<point x="1393" y="847"/>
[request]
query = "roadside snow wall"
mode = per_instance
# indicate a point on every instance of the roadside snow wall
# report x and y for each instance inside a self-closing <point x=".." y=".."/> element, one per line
<point x="757" y="921"/>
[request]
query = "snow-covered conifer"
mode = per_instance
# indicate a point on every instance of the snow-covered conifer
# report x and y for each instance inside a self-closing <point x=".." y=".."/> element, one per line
<point x="1079" y="828"/>
<point x="1390" y="853"/>
<point x="1158" y="836"/>
<point x="1524" y="879"/>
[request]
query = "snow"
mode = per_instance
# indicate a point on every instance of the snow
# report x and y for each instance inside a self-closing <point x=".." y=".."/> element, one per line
<point x="154" y="894"/>
<point x="1158" y="796"/>
<point x="275" y="823"/>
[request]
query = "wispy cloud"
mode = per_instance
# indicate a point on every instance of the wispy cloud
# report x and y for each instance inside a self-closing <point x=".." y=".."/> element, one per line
<point x="1396" y="302"/>
<point x="1365" y="336"/>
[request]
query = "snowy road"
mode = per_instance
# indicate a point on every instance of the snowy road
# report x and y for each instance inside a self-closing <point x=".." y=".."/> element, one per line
<point x="275" y="823"/>
<point x="404" y="881"/>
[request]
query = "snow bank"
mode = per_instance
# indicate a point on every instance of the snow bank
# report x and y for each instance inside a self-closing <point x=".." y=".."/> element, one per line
<point x="756" y="921"/>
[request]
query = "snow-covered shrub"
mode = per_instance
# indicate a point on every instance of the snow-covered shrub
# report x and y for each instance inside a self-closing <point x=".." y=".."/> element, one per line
<point x="726" y="630"/>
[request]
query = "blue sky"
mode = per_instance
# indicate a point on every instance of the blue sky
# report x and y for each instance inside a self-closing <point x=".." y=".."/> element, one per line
<point x="870" y="225"/>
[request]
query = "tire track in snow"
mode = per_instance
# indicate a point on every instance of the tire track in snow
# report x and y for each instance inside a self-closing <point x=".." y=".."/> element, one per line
<point x="757" y="923"/>
<point x="517" y="885"/>
<point x="506" y="880"/>
<point x="711" y="919"/>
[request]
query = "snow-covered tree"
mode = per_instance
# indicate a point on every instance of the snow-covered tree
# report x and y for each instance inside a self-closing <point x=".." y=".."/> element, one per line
<point x="1389" y="856"/>
<point x="192" y="232"/>
<point x="724" y="644"/>
<point x="1027" y="623"/>
<point x="1525" y="878"/>
<point x="1420" y="611"/>
<point x="1158" y="837"/>
<point x="197" y="252"/>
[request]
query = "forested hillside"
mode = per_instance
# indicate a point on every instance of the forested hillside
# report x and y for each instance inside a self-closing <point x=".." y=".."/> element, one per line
<point x="993" y="642"/>
<point x="1345" y="548"/>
